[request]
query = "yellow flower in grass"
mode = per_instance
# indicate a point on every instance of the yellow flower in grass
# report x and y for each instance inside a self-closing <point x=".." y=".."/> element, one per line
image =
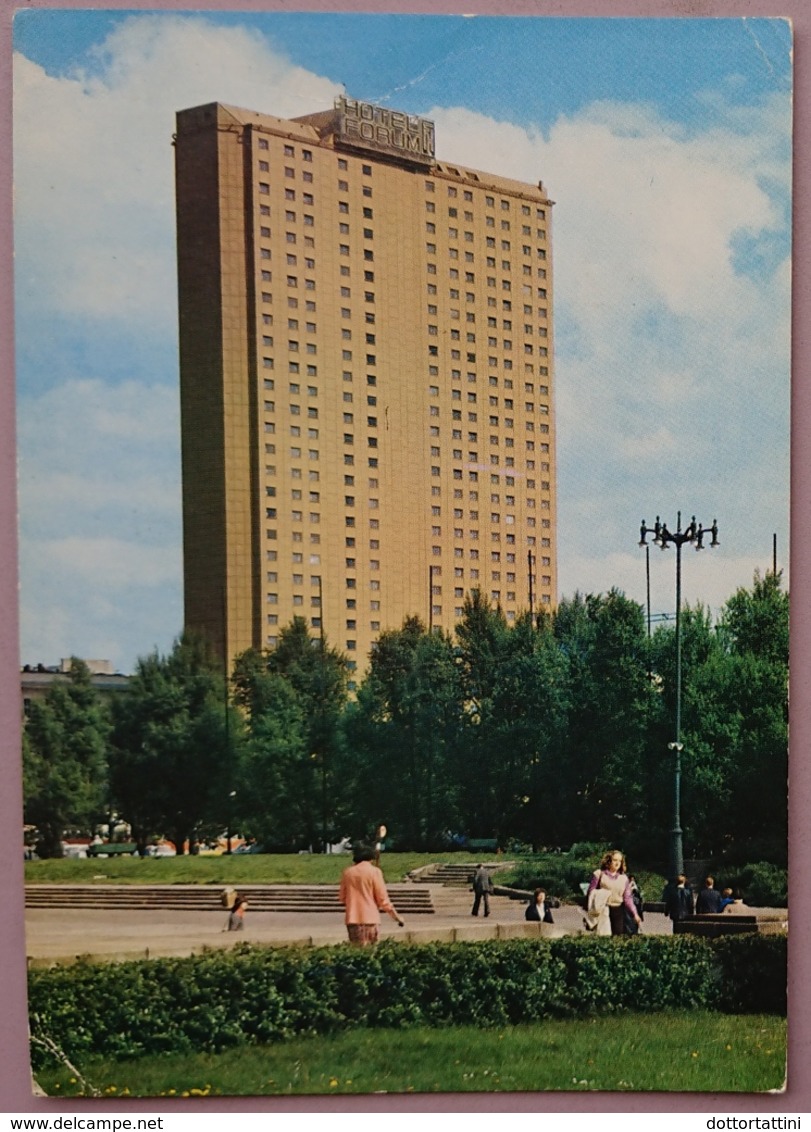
<point x="333" y="1082"/>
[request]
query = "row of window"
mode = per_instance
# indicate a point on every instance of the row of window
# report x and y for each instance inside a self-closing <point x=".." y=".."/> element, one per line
<point x="495" y="557"/>
<point x="506" y="323"/>
<point x="489" y="242"/>
<point x="453" y="231"/>
<point x="490" y="201"/>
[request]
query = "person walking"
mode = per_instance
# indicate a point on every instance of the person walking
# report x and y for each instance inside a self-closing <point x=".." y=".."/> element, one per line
<point x="482" y="889"/>
<point x="611" y="879"/>
<point x="236" y="914"/>
<point x="364" y="896"/>
<point x="679" y="900"/>
<point x="709" y="899"/>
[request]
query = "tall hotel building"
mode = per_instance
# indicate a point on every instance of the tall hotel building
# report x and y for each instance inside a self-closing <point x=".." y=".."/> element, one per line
<point x="366" y="378"/>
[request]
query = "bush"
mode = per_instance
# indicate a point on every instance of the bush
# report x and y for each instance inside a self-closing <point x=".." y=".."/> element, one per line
<point x="558" y="873"/>
<point x="252" y="996"/>
<point x="763" y="885"/>
<point x="644" y="973"/>
<point x="752" y="973"/>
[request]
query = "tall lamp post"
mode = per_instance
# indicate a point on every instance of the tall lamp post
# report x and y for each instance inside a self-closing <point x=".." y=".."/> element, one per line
<point x="663" y="538"/>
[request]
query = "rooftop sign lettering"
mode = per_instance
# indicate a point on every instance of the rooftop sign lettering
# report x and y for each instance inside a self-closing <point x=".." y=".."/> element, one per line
<point x="363" y="125"/>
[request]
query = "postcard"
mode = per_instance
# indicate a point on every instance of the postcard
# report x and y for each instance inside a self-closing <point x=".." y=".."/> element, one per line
<point x="377" y="376"/>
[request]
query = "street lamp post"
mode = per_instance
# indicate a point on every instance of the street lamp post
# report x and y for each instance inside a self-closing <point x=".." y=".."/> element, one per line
<point x="662" y="537"/>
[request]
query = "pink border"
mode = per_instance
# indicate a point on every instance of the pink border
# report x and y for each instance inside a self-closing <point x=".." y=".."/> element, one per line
<point x="14" y="1093"/>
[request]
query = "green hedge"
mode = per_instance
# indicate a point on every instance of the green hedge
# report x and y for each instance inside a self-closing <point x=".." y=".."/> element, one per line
<point x="753" y="972"/>
<point x="257" y="995"/>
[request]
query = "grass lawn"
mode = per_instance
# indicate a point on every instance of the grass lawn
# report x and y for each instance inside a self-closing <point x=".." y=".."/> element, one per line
<point x="695" y="1051"/>
<point x="259" y="868"/>
<point x="240" y="868"/>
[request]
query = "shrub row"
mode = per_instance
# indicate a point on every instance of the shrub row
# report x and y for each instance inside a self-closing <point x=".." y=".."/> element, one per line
<point x="256" y="995"/>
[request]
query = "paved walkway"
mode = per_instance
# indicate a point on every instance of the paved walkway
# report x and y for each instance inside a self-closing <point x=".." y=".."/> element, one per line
<point x="62" y="935"/>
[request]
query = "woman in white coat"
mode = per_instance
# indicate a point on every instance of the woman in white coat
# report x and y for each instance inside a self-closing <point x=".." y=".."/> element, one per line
<point x="609" y="897"/>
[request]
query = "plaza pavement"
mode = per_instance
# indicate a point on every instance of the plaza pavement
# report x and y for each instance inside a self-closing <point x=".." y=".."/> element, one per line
<point x="61" y="935"/>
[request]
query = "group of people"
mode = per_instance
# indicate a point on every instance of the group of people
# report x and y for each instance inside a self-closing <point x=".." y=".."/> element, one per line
<point x="363" y="894"/>
<point x="680" y="902"/>
<point x="539" y="908"/>
<point x="614" y="903"/>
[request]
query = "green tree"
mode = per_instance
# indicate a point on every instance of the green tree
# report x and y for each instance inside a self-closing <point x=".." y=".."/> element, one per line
<point x="611" y="702"/>
<point x="482" y="636"/>
<point x="754" y="628"/>
<point x="274" y="794"/>
<point x="734" y="722"/>
<point x="756" y="621"/>
<point x="708" y="732"/>
<point x="173" y="750"/>
<point x="316" y="677"/>
<point x="400" y="737"/>
<point x="529" y="714"/>
<point x="65" y="760"/>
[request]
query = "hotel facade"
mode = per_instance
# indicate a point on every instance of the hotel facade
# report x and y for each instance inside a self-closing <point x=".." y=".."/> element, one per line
<point x="367" y="386"/>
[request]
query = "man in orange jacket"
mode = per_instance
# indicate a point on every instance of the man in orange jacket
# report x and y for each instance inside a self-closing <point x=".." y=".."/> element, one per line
<point x="364" y="896"/>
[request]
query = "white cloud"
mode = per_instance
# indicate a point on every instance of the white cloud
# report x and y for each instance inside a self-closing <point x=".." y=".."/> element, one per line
<point x="99" y="486"/>
<point x="94" y="163"/>
<point x="97" y="597"/>
<point x="672" y="352"/>
<point x="108" y="563"/>
<point x="96" y="457"/>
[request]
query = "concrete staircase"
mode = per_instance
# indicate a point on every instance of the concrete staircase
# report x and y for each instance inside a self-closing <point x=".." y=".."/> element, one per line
<point x="409" y="899"/>
<point x="455" y="875"/>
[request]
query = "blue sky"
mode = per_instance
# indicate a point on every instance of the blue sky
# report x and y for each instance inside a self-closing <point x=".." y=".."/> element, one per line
<point x="666" y="145"/>
<point x="558" y="68"/>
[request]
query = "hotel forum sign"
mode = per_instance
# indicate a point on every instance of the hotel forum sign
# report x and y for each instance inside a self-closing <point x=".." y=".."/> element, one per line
<point x="401" y="135"/>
